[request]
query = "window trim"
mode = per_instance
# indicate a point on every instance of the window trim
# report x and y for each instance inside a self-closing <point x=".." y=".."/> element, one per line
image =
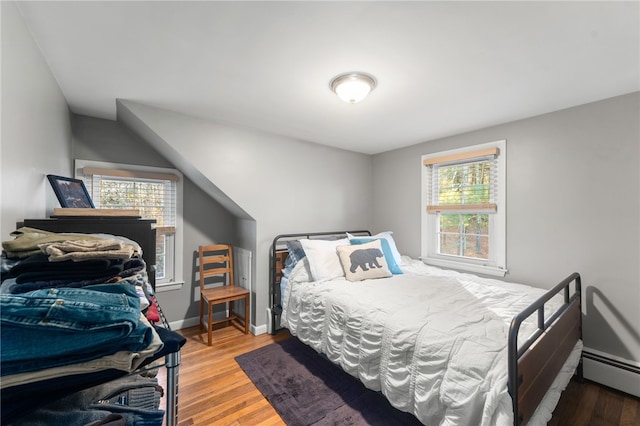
<point x="156" y="172"/>
<point x="496" y="265"/>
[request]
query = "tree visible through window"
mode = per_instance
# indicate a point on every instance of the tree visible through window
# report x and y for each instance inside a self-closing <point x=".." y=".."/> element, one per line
<point x="464" y="234"/>
<point x="464" y="200"/>
<point x="151" y="191"/>
<point x="154" y="201"/>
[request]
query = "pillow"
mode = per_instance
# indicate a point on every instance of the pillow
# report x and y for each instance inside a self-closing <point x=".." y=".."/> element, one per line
<point x="387" y="235"/>
<point x="323" y="258"/>
<point x="301" y="273"/>
<point x="386" y="249"/>
<point x="363" y="261"/>
<point x="296" y="252"/>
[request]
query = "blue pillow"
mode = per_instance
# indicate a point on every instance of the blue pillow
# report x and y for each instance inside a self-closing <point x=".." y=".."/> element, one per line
<point x="296" y="252"/>
<point x="386" y="249"/>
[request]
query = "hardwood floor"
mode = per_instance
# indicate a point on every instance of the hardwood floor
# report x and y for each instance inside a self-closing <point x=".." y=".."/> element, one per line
<point x="213" y="390"/>
<point x="591" y="404"/>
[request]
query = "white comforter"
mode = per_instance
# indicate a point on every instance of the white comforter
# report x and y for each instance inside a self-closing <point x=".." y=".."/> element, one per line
<point x="432" y="341"/>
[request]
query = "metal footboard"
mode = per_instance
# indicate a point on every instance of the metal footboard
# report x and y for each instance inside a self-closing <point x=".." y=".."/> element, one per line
<point x="534" y="366"/>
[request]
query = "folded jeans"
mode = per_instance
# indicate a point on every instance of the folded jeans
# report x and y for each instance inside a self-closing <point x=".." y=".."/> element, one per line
<point x="63" y="322"/>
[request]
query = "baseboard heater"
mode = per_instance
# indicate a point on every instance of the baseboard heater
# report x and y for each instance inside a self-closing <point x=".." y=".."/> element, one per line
<point x="612" y="362"/>
<point x="612" y="372"/>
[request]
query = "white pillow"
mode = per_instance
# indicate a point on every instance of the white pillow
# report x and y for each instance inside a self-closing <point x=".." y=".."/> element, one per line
<point x="387" y="235"/>
<point x="323" y="258"/>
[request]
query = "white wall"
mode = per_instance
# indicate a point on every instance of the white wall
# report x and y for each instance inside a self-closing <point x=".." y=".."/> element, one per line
<point x="36" y="131"/>
<point x="284" y="185"/>
<point x="573" y="204"/>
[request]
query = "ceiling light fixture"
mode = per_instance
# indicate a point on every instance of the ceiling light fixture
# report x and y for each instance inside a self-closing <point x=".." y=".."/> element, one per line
<point x="353" y="87"/>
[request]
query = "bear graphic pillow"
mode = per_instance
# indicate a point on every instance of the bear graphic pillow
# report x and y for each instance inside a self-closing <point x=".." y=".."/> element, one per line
<point x="363" y="261"/>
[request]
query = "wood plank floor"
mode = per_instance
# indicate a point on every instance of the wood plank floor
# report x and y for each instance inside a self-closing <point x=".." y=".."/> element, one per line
<point x="213" y="390"/>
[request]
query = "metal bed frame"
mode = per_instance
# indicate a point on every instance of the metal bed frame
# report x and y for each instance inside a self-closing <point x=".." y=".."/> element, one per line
<point x="278" y="245"/>
<point x="531" y="368"/>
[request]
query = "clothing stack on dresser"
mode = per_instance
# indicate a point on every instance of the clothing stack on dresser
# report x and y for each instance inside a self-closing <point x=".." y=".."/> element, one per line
<point x="76" y="317"/>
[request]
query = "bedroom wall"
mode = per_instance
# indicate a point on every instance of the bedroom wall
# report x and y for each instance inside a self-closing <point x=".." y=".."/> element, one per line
<point x="204" y="220"/>
<point x="36" y="129"/>
<point x="582" y="216"/>
<point x="573" y="204"/>
<point x="280" y="185"/>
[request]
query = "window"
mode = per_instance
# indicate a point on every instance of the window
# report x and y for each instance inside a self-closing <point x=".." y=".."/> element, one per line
<point x="155" y="192"/>
<point x="464" y="217"/>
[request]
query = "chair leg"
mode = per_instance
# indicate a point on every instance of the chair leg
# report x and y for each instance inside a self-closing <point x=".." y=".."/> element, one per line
<point x="210" y="328"/>
<point x="230" y="313"/>
<point x="246" y="315"/>
<point x="201" y="314"/>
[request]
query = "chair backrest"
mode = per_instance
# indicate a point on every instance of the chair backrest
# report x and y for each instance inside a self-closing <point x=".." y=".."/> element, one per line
<point x="216" y="260"/>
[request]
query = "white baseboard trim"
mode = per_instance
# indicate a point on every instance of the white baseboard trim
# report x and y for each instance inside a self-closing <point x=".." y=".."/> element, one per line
<point x="612" y="371"/>
<point x="185" y="323"/>
<point x="259" y="329"/>
<point x="192" y="322"/>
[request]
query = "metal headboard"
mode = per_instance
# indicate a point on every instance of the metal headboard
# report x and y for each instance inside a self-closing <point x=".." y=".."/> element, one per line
<point x="279" y="244"/>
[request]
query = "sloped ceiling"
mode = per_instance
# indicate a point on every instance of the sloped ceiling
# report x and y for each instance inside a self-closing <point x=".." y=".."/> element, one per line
<point x="442" y="67"/>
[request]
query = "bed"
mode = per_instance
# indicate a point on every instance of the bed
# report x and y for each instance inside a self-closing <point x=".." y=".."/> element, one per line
<point x="448" y="347"/>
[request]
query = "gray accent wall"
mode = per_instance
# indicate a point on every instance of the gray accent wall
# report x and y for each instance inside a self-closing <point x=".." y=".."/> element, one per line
<point x="205" y="221"/>
<point x="98" y="139"/>
<point x="573" y="205"/>
<point x="278" y="184"/>
<point x="36" y="127"/>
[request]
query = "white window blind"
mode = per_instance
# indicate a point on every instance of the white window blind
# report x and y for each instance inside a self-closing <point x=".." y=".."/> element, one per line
<point x="153" y="194"/>
<point x="464" y="208"/>
<point x="463" y="183"/>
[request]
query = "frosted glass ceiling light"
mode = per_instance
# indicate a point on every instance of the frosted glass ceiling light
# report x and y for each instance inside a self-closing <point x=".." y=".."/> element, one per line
<point x="353" y="87"/>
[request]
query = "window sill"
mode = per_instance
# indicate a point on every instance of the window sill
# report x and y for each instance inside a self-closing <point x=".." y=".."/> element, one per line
<point x="467" y="267"/>
<point x="174" y="285"/>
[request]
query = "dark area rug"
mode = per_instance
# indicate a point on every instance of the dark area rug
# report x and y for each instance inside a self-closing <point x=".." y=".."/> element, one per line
<point x="307" y="389"/>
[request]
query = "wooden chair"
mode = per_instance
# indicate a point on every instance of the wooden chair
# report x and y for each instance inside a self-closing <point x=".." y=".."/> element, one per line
<point x="216" y="265"/>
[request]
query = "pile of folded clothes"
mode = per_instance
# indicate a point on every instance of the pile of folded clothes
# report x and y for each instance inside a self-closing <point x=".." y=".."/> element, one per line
<point x="77" y="310"/>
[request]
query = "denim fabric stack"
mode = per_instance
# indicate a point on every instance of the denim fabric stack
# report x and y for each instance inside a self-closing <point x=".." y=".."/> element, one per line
<point x="72" y="315"/>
